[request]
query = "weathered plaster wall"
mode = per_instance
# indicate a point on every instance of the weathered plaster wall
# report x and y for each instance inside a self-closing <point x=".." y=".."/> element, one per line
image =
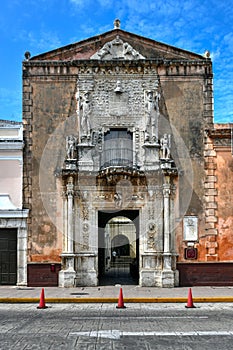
<point x="184" y="101"/>
<point x="51" y="102"/>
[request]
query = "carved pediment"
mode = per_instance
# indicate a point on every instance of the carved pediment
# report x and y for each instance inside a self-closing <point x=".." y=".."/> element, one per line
<point x="119" y="49"/>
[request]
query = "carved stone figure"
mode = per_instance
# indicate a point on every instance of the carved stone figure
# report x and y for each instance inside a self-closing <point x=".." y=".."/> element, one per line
<point x="118" y="199"/>
<point x="85" y="111"/>
<point x="106" y="49"/>
<point x="117" y="49"/>
<point x="70" y="146"/>
<point x="151" y="236"/>
<point x="152" y="112"/>
<point x="166" y="146"/>
<point x="128" y="50"/>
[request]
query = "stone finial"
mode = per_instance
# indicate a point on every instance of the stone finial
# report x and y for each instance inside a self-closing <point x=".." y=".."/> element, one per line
<point x="27" y="55"/>
<point x="207" y="54"/>
<point x="117" y="24"/>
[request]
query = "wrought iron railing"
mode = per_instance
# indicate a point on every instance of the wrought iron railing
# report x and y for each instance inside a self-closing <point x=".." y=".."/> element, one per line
<point x="116" y="156"/>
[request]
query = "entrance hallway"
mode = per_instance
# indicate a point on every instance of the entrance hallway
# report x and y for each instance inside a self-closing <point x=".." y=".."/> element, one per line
<point x="118" y="275"/>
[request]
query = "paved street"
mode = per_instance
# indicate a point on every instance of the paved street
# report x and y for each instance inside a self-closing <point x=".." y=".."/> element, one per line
<point x="103" y="326"/>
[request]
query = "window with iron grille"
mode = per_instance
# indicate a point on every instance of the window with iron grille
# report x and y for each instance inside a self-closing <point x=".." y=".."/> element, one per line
<point x="118" y="148"/>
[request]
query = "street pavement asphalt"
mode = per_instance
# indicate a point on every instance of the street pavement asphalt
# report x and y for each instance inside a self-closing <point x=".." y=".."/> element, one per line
<point x="111" y="294"/>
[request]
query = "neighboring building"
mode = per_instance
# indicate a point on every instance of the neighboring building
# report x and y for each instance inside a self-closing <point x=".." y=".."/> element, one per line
<point x="13" y="228"/>
<point x="123" y="165"/>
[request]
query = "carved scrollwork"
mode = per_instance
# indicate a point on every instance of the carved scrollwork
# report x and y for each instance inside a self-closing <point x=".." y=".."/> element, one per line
<point x="151" y="236"/>
<point x="85" y="213"/>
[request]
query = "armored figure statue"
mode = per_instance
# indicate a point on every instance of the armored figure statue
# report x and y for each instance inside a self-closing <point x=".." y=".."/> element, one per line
<point x="85" y="111"/>
<point x="152" y="112"/>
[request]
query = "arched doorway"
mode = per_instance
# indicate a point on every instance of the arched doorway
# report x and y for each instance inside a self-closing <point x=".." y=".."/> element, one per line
<point x="118" y="247"/>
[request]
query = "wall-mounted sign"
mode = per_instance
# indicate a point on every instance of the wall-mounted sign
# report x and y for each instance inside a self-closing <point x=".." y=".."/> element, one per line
<point x="190" y="253"/>
<point x="190" y="228"/>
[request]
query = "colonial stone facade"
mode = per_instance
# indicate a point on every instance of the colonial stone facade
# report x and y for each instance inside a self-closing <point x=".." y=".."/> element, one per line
<point x="120" y="162"/>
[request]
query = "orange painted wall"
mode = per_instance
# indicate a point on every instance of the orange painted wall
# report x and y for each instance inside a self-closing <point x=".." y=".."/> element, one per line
<point x="224" y="185"/>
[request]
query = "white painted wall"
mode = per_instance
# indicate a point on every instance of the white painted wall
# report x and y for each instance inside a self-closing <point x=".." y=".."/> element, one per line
<point x="11" y="165"/>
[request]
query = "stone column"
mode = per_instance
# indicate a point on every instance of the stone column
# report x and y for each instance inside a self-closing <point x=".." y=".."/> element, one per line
<point x="167" y="273"/>
<point x="168" y="277"/>
<point x="67" y="275"/>
<point x="22" y="255"/>
<point x="70" y="233"/>
<point x="166" y="201"/>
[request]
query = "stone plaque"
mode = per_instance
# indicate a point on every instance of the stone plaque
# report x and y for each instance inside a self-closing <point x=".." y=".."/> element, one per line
<point x="190" y="228"/>
<point x="118" y="105"/>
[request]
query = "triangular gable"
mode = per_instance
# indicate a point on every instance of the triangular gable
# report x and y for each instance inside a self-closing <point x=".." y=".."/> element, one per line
<point x="97" y="47"/>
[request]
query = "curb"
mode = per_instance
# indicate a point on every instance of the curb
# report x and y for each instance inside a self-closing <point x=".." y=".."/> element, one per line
<point x="115" y="300"/>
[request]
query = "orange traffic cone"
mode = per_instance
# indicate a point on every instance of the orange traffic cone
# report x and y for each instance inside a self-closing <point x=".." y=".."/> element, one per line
<point x="120" y="301"/>
<point x="42" y="301"/>
<point x="190" y="300"/>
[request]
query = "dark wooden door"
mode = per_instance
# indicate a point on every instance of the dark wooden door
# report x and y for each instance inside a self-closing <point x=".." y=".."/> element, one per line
<point x="8" y="256"/>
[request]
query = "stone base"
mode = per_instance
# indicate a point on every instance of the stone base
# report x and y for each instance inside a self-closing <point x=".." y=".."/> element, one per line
<point x="66" y="278"/>
<point x="176" y="278"/>
<point x="168" y="279"/>
<point x="150" y="278"/>
<point x="162" y="279"/>
<point x="86" y="278"/>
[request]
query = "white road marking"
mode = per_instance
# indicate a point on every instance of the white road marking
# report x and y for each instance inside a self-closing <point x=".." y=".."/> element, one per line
<point x="116" y="334"/>
<point x="139" y="317"/>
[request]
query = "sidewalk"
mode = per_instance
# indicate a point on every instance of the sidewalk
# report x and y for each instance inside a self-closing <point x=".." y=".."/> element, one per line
<point x="109" y="294"/>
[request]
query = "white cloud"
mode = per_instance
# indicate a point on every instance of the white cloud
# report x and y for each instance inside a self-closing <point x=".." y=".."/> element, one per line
<point x="79" y="2"/>
<point x="228" y="41"/>
<point x="106" y="3"/>
<point x="39" y="42"/>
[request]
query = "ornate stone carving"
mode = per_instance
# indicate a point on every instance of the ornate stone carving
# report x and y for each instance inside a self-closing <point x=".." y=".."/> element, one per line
<point x="85" y="212"/>
<point x="151" y="213"/>
<point x="85" y="241"/>
<point x="117" y="49"/>
<point x="151" y="236"/>
<point x="118" y="104"/>
<point x="166" y="191"/>
<point x="85" y="227"/>
<point x="70" y="187"/>
<point x="84" y="111"/>
<point x="126" y="68"/>
<point x="71" y="147"/>
<point x="152" y="113"/>
<point x="190" y="228"/>
<point x="118" y="199"/>
<point x="158" y="192"/>
<point x="165" y="143"/>
<point x="118" y="89"/>
<point x="173" y="192"/>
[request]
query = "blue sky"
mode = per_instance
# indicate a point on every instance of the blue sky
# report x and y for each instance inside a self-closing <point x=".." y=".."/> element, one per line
<point x="43" y="25"/>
